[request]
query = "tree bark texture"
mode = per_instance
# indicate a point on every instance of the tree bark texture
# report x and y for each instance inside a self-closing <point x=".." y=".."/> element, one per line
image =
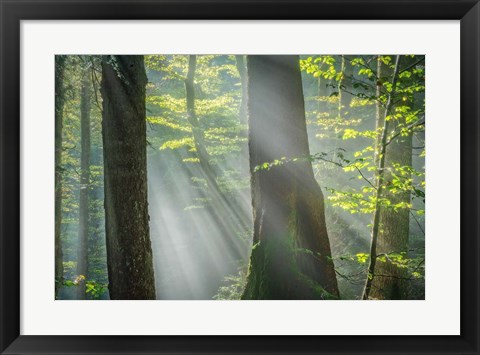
<point x="83" y="220"/>
<point x="129" y="251"/>
<point x="291" y="257"/>
<point x="59" y="105"/>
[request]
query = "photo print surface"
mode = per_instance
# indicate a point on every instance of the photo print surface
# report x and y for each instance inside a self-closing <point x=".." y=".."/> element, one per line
<point x="239" y="177"/>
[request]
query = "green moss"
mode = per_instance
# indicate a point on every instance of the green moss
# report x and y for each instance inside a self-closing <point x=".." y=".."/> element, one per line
<point x="274" y="272"/>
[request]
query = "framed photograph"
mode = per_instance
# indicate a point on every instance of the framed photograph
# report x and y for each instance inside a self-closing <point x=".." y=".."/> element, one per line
<point x="239" y="177"/>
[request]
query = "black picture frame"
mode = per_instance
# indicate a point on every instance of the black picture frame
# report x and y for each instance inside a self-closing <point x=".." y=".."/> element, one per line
<point x="13" y="11"/>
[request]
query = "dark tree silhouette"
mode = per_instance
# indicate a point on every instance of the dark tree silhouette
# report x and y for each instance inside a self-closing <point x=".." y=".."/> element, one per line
<point x="129" y="251"/>
<point x="291" y="257"/>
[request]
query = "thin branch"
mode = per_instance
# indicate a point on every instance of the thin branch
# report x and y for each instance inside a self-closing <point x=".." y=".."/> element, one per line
<point x="364" y="178"/>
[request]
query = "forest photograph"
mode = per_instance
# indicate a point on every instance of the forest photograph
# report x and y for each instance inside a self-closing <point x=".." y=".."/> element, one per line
<point x="240" y="177"/>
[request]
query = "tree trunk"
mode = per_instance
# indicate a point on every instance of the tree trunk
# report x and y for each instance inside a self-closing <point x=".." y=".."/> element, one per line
<point x="345" y="84"/>
<point x="242" y="71"/>
<point x="323" y="89"/>
<point x="243" y="116"/>
<point x="129" y="251"/>
<point x="198" y="135"/>
<point x="59" y="105"/>
<point x="384" y="72"/>
<point x="229" y="222"/>
<point x="382" y="177"/>
<point x="83" y="220"/>
<point x="388" y="279"/>
<point x="291" y="256"/>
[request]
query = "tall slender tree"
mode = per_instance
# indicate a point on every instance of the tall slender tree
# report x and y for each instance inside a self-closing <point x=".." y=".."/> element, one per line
<point x="291" y="257"/>
<point x="129" y="251"/>
<point x="60" y="61"/>
<point x="242" y="114"/>
<point x="83" y="219"/>
<point x="198" y="134"/>
<point x="242" y="71"/>
<point x="322" y="89"/>
<point x="228" y="219"/>
<point x="380" y="179"/>
<point x="345" y="84"/>
<point x="389" y="281"/>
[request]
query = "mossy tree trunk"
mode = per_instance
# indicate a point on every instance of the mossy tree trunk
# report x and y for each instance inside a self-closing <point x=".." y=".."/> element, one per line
<point x="291" y="257"/>
<point x="83" y="219"/>
<point x="129" y="251"/>
<point x="59" y="105"/>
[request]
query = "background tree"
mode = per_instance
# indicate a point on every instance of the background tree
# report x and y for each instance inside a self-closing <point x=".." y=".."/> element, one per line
<point x="344" y="85"/>
<point x="129" y="253"/>
<point x="291" y="256"/>
<point x="242" y="71"/>
<point x="60" y="62"/>
<point x="381" y="179"/>
<point x="78" y="70"/>
<point x="223" y="208"/>
<point x="204" y="228"/>
<point x="390" y="278"/>
<point x="82" y="260"/>
<point x="198" y="134"/>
